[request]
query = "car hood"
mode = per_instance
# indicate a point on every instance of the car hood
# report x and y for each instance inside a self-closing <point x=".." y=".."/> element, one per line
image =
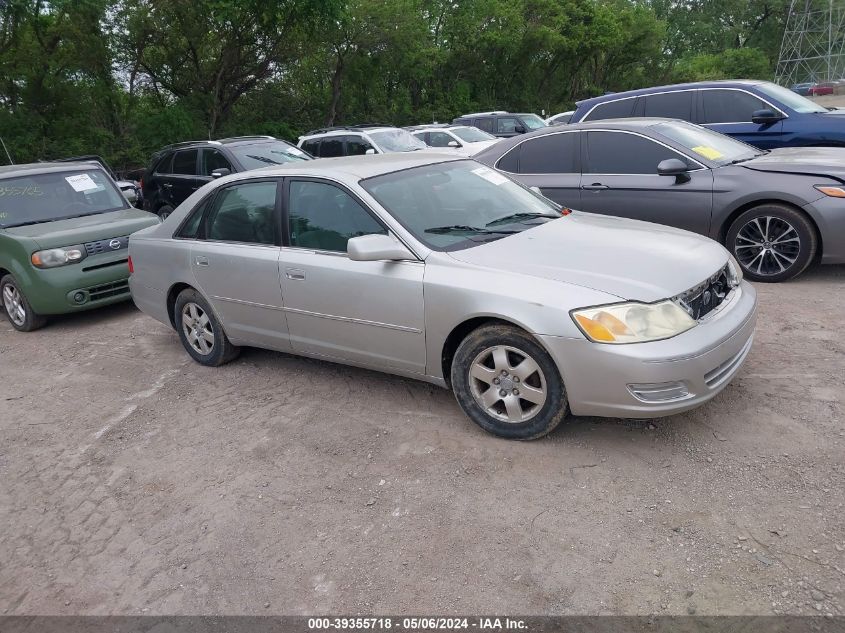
<point x="815" y="161"/>
<point x="627" y="258"/>
<point x="85" y="229"/>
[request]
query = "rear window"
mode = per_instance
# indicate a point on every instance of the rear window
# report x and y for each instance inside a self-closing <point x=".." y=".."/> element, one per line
<point x="56" y="196"/>
<point x="612" y="110"/>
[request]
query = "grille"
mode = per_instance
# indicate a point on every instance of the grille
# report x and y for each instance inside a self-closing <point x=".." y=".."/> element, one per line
<point x="707" y="296"/>
<point x="113" y="289"/>
<point x="109" y="245"/>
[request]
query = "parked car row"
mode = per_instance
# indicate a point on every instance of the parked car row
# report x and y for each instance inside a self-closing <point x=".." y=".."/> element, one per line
<point x="398" y="252"/>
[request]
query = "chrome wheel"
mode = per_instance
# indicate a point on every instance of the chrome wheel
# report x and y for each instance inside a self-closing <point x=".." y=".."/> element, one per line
<point x="13" y="302"/>
<point x="197" y="328"/>
<point x="767" y="245"/>
<point x="507" y="384"/>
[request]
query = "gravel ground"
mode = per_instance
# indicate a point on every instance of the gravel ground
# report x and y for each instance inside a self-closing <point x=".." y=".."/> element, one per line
<point x="135" y="481"/>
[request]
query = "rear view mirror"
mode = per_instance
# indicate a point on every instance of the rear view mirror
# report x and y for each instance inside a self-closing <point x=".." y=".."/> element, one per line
<point x="219" y="173"/>
<point x="374" y="248"/>
<point x="762" y="117"/>
<point x="674" y="167"/>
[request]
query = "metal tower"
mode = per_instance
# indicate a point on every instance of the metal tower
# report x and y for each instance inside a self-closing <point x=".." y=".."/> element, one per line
<point x="813" y="46"/>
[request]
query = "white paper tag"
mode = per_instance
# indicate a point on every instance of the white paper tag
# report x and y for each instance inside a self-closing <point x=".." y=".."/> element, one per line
<point x="490" y="175"/>
<point x="81" y="182"/>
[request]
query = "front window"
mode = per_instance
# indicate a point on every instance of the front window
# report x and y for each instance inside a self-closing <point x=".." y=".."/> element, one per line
<point x="257" y="155"/>
<point x="702" y="142"/>
<point x="532" y="121"/>
<point x="57" y="196"/>
<point x="396" y="141"/>
<point x="472" y="134"/>
<point x="789" y="98"/>
<point x="455" y="205"/>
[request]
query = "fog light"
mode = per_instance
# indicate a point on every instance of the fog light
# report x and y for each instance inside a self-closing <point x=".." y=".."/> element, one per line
<point x="79" y="297"/>
<point x="659" y="391"/>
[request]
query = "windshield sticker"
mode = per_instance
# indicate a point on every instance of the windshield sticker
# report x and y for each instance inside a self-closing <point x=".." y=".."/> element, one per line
<point x="81" y="182"/>
<point x="490" y="175"/>
<point x="708" y="152"/>
<point x="28" y="190"/>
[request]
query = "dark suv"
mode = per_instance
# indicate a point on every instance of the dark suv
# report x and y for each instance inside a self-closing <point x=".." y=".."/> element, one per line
<point x="178" y="170"/>
<point x="502" y="124"/>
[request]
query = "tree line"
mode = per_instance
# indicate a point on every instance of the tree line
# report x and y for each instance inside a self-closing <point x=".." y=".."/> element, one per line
<point x="123" y="78"/>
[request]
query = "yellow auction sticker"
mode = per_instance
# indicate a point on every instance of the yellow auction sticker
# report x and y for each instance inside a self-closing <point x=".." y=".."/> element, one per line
<point x="708" y="152"/>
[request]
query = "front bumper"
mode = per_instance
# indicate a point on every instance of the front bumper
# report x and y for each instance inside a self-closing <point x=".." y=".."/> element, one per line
<point x="829" y="214"/>
<point x="646" y="380"/>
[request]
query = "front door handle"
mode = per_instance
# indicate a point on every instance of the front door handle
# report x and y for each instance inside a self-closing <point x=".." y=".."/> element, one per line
<point x="295" y="273"/>
<point x="201" y="261"/>
<point x="596" y="186"/>
<point x="167" y="185"/>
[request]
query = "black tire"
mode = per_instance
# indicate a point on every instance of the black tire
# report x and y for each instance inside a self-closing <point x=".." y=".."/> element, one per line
<point x="219" y="350"/>
<point x="164" y="211"/>
<point x="784" y="234"/>
<point x="540" y="419"/>
<point x="29" y="320"/>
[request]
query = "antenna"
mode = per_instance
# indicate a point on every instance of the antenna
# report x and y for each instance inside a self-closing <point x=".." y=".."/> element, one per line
<point x="5" y="149"/>
<point x="813" y="45"/>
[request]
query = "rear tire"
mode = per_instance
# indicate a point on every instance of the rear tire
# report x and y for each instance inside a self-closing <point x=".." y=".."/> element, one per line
<point x="164" y="211"/>
<point x="772" y="242"/>
<point x="199" y="330"/>
<point x="17" y="308"/>
<point x="507" y="383"/>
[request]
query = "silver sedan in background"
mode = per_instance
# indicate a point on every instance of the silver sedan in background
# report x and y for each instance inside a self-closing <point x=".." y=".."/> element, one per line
<point x="444" y="270"/>
<point x="778" y="211"/>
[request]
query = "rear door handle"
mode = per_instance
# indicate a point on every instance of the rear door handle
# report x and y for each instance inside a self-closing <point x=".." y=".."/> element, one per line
<point x="596" y="186"/>
<point x="201" y="261"/>
<point x="295" y="273"/>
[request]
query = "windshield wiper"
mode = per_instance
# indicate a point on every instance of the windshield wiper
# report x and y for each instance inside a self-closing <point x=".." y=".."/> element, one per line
<point x="522" y="216"/>
<point x="464" y="228"/>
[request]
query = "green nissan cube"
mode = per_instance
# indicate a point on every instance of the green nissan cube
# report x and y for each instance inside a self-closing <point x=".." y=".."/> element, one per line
<point x="64" y="237"/>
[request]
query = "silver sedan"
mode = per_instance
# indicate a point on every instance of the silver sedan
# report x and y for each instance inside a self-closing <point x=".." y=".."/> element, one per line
<point x="444" y="270"/>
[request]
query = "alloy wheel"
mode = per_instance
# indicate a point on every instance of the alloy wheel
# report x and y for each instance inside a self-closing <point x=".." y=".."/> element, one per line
<point x="507" y="384"/>
<point x="767" y="245"/>
<point x="13" y="303"/>
<point x="197" y="328"/>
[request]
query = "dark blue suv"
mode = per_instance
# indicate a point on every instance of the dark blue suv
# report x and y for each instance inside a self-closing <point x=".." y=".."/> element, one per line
<point x="757" y="112"/>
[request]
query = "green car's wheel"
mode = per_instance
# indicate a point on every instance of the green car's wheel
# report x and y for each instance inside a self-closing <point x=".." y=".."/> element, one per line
<point x="17" y="308"/>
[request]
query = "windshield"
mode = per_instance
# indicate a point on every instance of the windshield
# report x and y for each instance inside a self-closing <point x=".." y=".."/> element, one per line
<point x="532" y="121"/>
<point x="704" y="143"/>
<point x="790" y="99"/>
<point x="57" y="196"/>
<point x="472" y="134"/>
<point x="257" y="155"/>
<point x="454" y="205"/>
<point x="397" y="141"/>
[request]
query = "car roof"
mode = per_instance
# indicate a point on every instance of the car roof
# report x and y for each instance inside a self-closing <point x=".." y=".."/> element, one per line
<point x="345" y="131"/>
<point x="12" y="171"/>
<point x="353" y="167"/>
<point x="721" y="83"/>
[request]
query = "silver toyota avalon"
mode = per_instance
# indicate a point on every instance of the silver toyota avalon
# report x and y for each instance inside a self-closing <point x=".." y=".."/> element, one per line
<point x="439" y="268"/>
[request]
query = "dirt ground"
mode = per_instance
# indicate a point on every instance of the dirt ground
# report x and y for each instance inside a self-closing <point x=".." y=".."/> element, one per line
<point x="136" y="481"/>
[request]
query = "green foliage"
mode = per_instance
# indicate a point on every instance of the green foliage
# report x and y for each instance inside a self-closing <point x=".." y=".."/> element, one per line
<point x="124" y="77"/>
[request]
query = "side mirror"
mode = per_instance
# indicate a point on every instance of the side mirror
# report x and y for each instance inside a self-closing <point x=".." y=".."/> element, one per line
<point x="374" y="248"/>
<point x="673" y="167"/>
<point x="453" y="144"/>
<point x="519" y="129"/>
<point x="536" y="189"/>
<point x="130" y="194"/>
<point x="370" y="151"/>
<point x="763" y="117"/>
<point x="219" y="173"/>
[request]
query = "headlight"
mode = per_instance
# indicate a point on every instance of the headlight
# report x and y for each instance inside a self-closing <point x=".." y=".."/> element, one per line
<point x="734" y="272"/>
<point x="53" y="257"/>
<point x="632" y="322"/>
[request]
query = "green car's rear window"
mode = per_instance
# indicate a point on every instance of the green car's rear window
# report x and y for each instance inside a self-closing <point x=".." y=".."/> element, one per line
<point x="55" y="196"/>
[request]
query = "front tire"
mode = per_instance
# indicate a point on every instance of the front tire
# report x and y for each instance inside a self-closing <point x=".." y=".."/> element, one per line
<point x="199" y="330"/>
<point x="17" y="308"/>
<point x="772" y="242"/>
<point x="507" y="383"/>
